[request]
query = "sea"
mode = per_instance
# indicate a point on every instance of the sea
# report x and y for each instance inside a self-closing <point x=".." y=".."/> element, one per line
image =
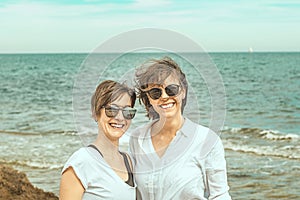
<point x="41" y="118"/>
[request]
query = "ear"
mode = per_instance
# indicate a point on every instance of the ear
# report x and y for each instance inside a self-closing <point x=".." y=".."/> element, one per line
<point x="94" y="116"/>
<point x="183" y="94"/>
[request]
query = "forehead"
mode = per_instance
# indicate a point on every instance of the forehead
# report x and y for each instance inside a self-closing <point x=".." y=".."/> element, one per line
<point x="122" y="100"/>
<point x="171" y="79"/>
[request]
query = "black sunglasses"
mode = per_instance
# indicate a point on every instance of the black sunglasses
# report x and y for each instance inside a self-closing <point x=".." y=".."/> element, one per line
<point x="171" y="90"/>
<point x="112" y="111"/>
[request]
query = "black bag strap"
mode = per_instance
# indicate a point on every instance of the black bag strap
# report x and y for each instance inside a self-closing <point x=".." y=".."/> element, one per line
<point x="130" y="174"/>
<point x="94" y="147"/>
<point x="129" y="171"/>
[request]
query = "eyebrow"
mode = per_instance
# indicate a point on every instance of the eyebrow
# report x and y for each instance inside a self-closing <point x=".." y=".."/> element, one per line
<point x="162" y="85"/>
<point x="120" y="106"/>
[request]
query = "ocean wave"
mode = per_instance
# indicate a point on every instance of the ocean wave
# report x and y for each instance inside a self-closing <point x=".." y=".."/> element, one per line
<point x="286" y="151"/>
<point x="262" y="142"/>
<point x="268" y="134"/>
<point x="32" y="164"/>
<point x="26" y="133"/>
<point x="262" y="133"/>
<point x="18" y="132"/>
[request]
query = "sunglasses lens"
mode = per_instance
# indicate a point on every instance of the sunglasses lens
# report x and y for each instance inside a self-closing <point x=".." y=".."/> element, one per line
<point x="129" y="113"/>
<point x="111" y="111"/>
<point x="172" y="90"/>
<point x="155" y="93"/>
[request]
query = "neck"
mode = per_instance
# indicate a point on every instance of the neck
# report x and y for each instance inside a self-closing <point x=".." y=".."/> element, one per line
<point x="106" y="146"/>
<point x="168" y="126"/>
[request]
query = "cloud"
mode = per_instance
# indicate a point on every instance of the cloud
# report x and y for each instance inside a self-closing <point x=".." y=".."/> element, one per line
<point x="48" y="10"/>
<point x="71" y="21"/>
<point x="151" y="3"/>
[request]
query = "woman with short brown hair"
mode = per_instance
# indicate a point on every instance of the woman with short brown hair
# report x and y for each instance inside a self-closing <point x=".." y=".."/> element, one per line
<point x="100" y="170"/>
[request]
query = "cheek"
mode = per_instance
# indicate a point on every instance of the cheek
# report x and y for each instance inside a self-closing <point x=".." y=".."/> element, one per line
<point x="128" y="123"/>
<point x="154" y="104"/>
<point x="102" y="119"/>
<point x="182" y="98"/>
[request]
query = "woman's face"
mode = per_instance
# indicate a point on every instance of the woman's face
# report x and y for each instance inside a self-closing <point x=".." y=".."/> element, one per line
<point x="115" y="127"/>
<point x="167" y="106"/>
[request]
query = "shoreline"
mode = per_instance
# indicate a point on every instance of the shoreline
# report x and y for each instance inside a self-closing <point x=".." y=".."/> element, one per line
<point x="274" y="177"/>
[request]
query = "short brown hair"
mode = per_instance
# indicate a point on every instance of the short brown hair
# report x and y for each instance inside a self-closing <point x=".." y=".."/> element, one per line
<point x="155" y="72"/>
<point x="108" y="91"/>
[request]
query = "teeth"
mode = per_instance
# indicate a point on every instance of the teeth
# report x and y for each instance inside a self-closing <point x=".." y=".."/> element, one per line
<point x="165" y="106"/>
<point x="117" y="125"/>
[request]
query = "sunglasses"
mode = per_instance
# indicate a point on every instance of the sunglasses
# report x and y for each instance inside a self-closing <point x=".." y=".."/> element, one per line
<point x="171" y="90"/>
<point x="112" y="111"/>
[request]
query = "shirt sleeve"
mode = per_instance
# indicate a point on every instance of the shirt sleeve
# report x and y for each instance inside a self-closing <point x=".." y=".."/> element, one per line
<point x="76" y="161"/>
<point x="216" y="173"/>
<point x="132" y="150"/>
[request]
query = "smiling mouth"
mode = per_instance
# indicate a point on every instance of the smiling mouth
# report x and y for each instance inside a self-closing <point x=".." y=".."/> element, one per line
<point x="166" y="106"/>
<point x="115" y="125"/>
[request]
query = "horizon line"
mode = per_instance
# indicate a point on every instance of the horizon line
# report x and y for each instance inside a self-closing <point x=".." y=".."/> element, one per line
<point x="79" y="52"/>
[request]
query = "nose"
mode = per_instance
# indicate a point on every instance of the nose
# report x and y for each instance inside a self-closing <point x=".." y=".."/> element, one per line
<point x="119" y="116"/>
<point x="164" y="94"/>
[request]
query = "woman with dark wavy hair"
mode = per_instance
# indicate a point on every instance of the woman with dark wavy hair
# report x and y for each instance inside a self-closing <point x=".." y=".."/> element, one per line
<point x="168" y="151"/>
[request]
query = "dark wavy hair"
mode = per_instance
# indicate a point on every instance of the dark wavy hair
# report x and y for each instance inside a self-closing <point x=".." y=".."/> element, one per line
<point x="156" y="72"/>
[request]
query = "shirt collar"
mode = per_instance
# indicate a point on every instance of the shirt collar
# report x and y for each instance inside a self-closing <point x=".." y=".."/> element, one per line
<point x="188" y="128"/>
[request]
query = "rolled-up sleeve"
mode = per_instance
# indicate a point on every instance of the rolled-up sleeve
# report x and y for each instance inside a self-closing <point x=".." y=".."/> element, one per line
<point x="216" y="173"/>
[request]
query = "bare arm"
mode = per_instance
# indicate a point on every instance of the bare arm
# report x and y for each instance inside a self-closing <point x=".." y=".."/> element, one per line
<point x="70" y="186"/>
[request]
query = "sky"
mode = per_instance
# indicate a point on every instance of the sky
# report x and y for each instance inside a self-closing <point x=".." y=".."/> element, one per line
<point x="81" y="25"/>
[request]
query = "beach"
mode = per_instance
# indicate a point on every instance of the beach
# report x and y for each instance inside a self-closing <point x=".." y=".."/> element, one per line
<point x="261" y="133"/>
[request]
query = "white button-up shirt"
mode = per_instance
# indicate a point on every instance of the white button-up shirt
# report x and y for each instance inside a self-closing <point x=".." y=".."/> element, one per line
<point x="192" y="167"/>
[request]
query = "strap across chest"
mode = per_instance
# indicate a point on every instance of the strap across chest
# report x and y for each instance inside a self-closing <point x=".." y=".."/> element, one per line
<point x="129" y="171"/>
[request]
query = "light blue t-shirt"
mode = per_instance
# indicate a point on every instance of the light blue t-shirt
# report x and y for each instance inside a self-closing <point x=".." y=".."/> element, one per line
<point x="99" y="180"/>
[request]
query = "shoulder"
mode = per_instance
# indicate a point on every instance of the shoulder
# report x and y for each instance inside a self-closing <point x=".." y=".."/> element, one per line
<point x="78" y="164"/>
<point x="197" y="131"/>
<point x="80" y="154"/>
<point x="212" y="147"/>
<point x="203" y="132"/>
<point x="207" y="140"/>
<point x="78" y="158"/>
<point x="129" y="159"/>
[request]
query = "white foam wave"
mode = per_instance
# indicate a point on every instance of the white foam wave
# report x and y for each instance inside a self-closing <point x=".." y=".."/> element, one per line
<point x="265" y="134"/>
<point x="272" y="135"/>
<point x="33" y="164"/>
<point x="291" y="152"/>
